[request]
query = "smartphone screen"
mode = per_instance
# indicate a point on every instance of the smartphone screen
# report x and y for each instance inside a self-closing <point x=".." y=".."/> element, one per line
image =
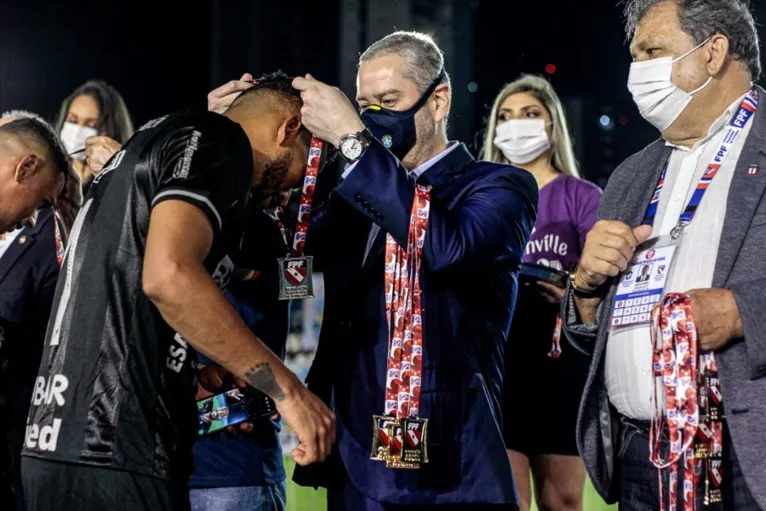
<point x="222" y="410"/>
<point x="539" y="272"/>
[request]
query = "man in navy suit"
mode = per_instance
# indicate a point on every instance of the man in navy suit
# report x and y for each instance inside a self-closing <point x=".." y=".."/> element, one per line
<point x="28" y="273"/>
<point x="479" y="219"/>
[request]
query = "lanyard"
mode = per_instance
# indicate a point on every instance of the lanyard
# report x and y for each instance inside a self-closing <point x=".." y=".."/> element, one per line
<point x="60" y="243"/>
<point x="404" y="313"/>
<point x="400" y="435"/>
<point x="739" y="121"/>
<point x="304" y="209"/>
<point x="693" y="413"/>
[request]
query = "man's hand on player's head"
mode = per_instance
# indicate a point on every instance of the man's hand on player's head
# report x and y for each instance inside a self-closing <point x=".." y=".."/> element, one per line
<point x="220" y="99"/>
<point x="327" y="113"/>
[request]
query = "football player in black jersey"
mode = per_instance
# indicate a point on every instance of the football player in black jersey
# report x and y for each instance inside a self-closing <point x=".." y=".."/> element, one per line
<point x="113" y="415"/>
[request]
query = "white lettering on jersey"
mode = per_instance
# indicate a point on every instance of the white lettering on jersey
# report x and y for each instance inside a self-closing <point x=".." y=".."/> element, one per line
<point x="181" y="170"/>
<point x="222" y="273"/>
<point x="44" y="438"/>
<point x="48" y="390"/>
<point x="177" y="351"/>
<point x="69" y="256"/>
<point x="152" y="124"/>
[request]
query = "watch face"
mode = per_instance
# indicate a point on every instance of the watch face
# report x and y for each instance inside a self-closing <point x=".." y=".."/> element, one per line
<point x="351" y="148"/>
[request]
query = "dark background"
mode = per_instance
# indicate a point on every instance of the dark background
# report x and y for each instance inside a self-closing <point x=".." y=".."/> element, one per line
<point x="166" y="56"/>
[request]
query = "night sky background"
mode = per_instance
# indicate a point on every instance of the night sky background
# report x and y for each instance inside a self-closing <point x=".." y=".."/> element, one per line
<point x="166" y="59"/>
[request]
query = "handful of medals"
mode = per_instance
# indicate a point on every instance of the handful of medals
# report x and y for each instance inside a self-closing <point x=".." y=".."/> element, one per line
<point x="401" y="443"/>
<point x="400" y="435"/>
<point x="693" y="412"/>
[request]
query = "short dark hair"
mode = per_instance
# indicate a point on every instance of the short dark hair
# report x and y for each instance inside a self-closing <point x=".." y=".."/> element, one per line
<point x="40" y="134"/>
<point x="114" y="118"/>
<point x="276" y="84"/>
<point x="702" y="19"/>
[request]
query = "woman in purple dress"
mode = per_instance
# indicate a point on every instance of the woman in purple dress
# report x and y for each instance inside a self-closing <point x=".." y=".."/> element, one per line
<point x="544" y="377"/>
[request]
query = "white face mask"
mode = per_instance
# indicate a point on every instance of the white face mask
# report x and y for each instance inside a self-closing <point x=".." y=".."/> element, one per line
<point x="522" y="140"/>
<point x="658" y="100"/>
<point x="73" y="137"/>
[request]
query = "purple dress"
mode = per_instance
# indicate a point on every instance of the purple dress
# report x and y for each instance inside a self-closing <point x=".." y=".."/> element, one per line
<point x="552" y="387"/>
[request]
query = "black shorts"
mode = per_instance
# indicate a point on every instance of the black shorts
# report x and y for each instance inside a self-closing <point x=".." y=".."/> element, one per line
<point x="54" y="486"/>
<point x="541" y="394"/>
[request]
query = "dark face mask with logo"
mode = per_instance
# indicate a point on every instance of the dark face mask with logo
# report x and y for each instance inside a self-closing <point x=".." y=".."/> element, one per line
<point x="396" y="129"/>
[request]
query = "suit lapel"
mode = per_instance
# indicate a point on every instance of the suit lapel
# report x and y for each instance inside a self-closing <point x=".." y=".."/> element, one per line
<point x="20" y="245"/>
<point x="438" y="176"/>
<point x="745" y="194"/>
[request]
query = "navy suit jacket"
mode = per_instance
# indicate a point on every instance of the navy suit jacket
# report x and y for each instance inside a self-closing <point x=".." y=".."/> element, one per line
<point x="481" y="217"/>
<point x="28" y="273"/>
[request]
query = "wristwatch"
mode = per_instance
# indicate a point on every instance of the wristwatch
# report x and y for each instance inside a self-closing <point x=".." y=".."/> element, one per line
<point x="352" y="146"/>
<point x="598" y="292"/>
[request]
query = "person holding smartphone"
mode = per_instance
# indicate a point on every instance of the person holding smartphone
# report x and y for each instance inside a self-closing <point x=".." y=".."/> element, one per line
<point x="543" y="379"/>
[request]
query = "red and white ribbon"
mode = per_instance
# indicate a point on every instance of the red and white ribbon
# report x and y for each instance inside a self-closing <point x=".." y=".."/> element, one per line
<point x="405" y="314"/>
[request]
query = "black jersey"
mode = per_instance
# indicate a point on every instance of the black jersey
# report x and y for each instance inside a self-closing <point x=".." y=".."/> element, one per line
<point x="116" y="385"/>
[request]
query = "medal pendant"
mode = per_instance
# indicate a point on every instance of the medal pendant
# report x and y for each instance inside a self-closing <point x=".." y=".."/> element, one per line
<point x="414" y="443"/>
<point x="396" y="460"/>
<point x="713" y="479"/>
<point x="295" y="278"/>
<point x="382" y="433"/>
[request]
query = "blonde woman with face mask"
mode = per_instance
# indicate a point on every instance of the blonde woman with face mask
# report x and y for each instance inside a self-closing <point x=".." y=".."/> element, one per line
<point x="544" y="376"/>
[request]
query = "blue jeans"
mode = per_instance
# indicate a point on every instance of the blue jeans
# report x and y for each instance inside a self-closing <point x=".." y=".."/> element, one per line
<point x="639" y="483"/>
<point x="245" y="498"/>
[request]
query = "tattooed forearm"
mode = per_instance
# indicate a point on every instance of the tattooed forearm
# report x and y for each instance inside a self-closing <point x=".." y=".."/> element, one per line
<point x="262" y="378"/>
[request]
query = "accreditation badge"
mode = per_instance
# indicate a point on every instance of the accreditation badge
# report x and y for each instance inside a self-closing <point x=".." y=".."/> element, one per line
<point x="642" y="286"/>
<point x="295" y="278"/>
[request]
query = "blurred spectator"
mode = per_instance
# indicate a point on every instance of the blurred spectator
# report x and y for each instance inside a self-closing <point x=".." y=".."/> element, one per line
<point x="28" y="273"/>
<point x="527" y="128"/>
<point x="35" y="171"/>
<point x="93" y="109"/>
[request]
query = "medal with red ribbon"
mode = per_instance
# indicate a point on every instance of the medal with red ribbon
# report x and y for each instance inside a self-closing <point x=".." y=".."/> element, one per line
<point x="295" y="271"/>
<point x="692" y="413"/>
<point x="400" y="435"/>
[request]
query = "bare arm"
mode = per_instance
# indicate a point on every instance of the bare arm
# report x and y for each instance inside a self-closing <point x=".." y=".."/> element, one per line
<point x="175" y="280"/>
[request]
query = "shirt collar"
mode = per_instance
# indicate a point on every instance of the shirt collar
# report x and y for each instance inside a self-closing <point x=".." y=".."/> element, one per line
<point x="418" y="171"/>
<point x="714" y="129"/>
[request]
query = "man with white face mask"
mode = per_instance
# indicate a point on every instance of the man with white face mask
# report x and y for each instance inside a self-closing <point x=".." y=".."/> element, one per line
<point x="696" y="195"/>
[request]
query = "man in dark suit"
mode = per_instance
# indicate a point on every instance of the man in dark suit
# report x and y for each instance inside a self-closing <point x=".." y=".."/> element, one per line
<point x="480" y="217"/>
<point x="28" y="273"/>
<point x="692" y="79"/>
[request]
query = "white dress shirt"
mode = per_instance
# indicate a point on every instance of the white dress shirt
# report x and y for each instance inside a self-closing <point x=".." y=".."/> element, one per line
<point x="628" y="364"/>
<point x="417" y="172"/>
<point x="7" y="239"/>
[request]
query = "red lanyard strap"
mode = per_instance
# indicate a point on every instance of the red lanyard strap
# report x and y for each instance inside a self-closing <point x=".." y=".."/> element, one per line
<point x="689" y="381"/>
<point x="60" y="243"/>
<point x="307" y="196"/>
<point x="404" y="313"/>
